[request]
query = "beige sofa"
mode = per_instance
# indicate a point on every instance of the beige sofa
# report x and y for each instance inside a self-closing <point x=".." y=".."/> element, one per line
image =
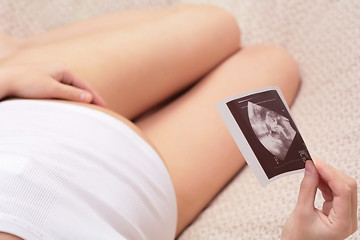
<point x="323" y="36"/>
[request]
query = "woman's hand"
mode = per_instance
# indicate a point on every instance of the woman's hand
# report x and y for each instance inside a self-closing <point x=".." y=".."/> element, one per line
<point x="338" y="217"/>
<point x="46" y="81"/>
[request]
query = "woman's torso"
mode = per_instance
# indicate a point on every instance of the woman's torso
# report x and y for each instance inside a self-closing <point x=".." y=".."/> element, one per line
<point x="113" y="114"/>
<point x="87" y="151"/>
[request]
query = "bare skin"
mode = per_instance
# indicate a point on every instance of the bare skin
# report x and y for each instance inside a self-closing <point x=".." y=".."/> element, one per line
<point x="144" y="62"/>
<point x="7" y="236"/>
<point x="7" y="45"/>
<point x="114" y="55"/>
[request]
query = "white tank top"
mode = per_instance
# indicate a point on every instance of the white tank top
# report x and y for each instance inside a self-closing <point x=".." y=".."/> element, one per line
<point x="70" y="172"/>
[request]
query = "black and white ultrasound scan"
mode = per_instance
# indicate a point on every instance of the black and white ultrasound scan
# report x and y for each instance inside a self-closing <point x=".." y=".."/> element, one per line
<point x="264" y="131"/>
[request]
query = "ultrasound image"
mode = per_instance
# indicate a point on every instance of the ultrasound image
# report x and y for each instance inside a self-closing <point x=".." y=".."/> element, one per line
<point x="273" y="130"/>
<point x="265" y="132"/>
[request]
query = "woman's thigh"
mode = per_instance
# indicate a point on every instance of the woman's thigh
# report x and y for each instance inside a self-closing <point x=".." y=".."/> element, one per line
<point x="189" y="133"/>
<point x="136" y="67"/>
<point x="110" y="21"/>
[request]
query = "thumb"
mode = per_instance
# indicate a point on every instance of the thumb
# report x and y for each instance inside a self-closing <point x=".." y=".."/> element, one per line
<point x="308" y="187"/>
<point x="71" y="93"/>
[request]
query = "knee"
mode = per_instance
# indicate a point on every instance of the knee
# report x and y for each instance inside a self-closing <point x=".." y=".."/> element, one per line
<point x="223" y="23"/>
<point x="289" y="79"/>
<point x="227" y="22"/>
<point x="275" y="58"/>
<point x="275" y="65"/>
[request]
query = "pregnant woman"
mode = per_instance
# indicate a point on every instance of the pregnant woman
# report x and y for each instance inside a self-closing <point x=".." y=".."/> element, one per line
<point x="136" y="149"/>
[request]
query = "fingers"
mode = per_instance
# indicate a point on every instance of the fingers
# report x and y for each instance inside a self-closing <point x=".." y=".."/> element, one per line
<point x="74" y="80"/>
<point x="344" y="191"/>
<point x="71" y="93"/>
<point x="354" y="212"/>
<point x="354" y="203"/>
<point x="308" y="188"/>
<point x="49" y="80"/>
<point x="325" y="190"/>
<point x="63" y="75"/>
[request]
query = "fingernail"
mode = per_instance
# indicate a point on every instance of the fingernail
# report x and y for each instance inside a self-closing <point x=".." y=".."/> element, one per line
<point x="308" y="167"/>
<point x="84" y="96"/>
<point x="320" y="164"/>
<point x="316" y="161"/>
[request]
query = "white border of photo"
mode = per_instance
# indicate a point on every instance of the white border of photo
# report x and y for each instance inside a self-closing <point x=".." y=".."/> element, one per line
<point x="241" y="141"/>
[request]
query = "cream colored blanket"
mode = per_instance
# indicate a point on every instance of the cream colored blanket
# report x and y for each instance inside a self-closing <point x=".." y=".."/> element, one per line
<point x="324" y="37"/>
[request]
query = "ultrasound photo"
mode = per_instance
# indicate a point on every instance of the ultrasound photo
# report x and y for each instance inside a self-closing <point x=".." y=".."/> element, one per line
<point x="261" y="125"/>
<point x="273" y="130"/>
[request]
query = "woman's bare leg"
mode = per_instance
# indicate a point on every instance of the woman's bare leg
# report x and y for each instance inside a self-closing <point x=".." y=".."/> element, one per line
<point x="189" y="133"/>
<point x="136" y="67"/>
<point x="111" y="21"/>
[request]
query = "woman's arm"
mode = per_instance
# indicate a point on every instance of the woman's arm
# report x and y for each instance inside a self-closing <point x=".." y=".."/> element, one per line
<point x="338" y="217"/>
<point x="52" y="80"/>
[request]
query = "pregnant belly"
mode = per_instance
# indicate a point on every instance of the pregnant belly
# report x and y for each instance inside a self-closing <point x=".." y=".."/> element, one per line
<point x="114" y="115"/>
